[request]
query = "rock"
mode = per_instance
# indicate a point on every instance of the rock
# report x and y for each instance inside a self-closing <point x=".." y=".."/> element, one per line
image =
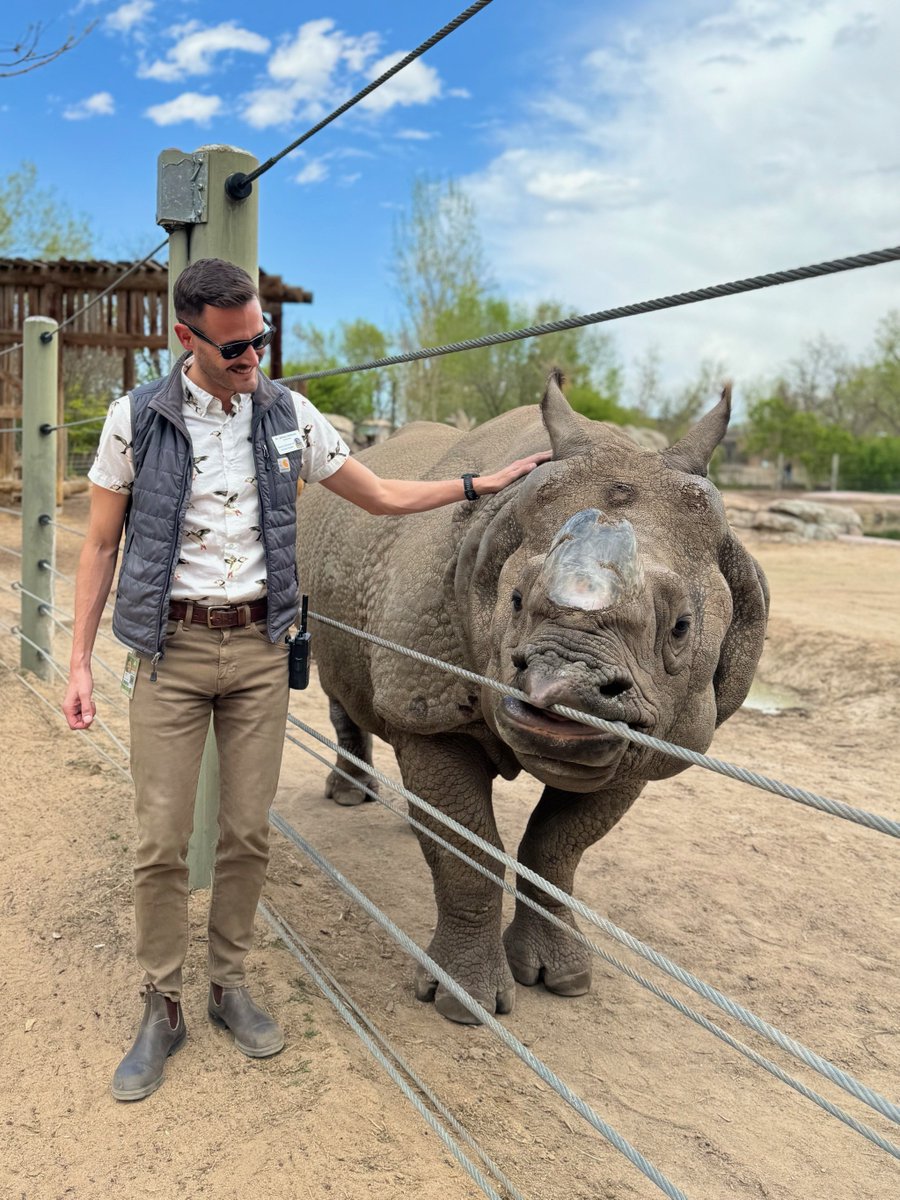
<point x="834" y="516"/>
<point x="776" y="522"/>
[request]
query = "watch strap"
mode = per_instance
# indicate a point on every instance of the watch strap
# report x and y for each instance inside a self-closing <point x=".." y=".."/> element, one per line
<point x="468" y="488"/>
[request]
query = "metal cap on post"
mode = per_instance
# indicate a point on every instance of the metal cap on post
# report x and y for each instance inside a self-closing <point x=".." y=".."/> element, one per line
<point x="204" y="220"/>
<point x="40" y="373"/>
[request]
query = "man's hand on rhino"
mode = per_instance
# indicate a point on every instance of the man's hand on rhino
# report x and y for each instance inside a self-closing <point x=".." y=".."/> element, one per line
<point x="486" y="485"/>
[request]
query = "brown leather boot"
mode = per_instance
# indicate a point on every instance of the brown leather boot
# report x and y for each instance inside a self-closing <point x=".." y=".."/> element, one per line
<point x="255" y="1033"/>
<point x="162" y="1031"/>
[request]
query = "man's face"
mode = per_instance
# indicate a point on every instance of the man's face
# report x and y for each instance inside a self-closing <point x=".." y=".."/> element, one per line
<point x="219" y="376"/>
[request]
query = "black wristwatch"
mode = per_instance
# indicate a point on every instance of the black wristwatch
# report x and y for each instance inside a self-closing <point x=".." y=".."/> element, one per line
<point x="469" y="490"/>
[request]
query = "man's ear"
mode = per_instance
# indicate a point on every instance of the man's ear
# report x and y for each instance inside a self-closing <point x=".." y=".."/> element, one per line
<point x="184" y="335"/>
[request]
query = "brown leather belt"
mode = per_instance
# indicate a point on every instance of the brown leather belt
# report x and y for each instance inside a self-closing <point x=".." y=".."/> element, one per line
<point x="218" y="616"/>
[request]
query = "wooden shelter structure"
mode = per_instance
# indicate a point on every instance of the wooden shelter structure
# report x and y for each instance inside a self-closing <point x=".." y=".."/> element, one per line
<point x="132" y="318"/>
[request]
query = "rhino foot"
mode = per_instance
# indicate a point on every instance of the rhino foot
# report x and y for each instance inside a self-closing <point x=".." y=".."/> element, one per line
<point x="491" y="985"/>
<point x="540" y="952"/>
<point x="345" y="793"/>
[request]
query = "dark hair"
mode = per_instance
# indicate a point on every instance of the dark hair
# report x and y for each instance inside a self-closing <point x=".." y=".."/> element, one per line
<point x="211" y="281"/>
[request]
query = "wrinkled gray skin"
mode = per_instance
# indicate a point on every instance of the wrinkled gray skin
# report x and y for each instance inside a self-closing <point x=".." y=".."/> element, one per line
<point x="607" y="580"/>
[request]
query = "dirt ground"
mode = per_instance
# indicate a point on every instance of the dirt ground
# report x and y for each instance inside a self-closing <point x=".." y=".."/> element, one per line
<point x="791" y="912"/>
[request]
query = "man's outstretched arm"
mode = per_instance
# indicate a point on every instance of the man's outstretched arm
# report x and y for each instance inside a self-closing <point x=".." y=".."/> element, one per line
<point x="96" y="568"/>
<point x="395" y="497"/>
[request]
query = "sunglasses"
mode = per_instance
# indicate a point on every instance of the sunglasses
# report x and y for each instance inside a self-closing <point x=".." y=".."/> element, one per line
<point x="236" y="349"/>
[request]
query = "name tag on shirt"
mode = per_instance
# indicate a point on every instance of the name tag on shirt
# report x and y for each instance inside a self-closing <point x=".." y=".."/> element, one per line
<point x="285" y="443"/>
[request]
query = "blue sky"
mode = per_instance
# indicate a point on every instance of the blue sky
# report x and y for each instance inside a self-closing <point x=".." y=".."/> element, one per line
<point x="614" y="152"/>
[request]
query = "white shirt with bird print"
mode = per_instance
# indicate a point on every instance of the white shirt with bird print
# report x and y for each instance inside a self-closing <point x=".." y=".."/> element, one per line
<point x="221" y="559"/>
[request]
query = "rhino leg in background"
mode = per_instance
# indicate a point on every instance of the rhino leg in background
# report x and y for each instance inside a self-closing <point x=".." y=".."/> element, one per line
<point x="357" y="741"/>
<point x="452" y="772"/>
<point x="561" y="828"/>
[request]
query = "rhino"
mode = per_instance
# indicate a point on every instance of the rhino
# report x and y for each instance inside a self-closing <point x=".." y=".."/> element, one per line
<point x="608" y="580"/>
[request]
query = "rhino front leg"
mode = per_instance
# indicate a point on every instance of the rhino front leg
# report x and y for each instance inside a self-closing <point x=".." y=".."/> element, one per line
<point x="561" y="828"/>
<point x="357" y="741"/>
<point x="452" y="773"/>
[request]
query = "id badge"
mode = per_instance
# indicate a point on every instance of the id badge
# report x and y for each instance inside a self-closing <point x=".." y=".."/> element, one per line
<point x="129" y="675"/>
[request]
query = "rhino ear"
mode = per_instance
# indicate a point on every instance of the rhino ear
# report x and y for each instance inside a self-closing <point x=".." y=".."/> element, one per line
<point x="743" y="642"/>
<point x="693" y="452"/>
<point x="568" y="429"/>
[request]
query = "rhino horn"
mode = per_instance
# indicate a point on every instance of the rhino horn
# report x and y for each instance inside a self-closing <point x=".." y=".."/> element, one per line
<point x="568" y="429"/>
<point x="692" y="453"/>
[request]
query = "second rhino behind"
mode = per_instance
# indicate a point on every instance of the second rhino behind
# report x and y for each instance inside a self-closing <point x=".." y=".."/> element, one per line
<point x="607" y="580"/>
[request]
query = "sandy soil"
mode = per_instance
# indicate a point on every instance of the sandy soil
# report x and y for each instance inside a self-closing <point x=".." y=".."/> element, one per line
<point x="791" y="912"/>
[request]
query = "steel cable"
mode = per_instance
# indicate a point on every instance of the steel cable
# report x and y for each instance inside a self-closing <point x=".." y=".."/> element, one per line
<point x="836" y="808"/>
<point x="350" y="1012"/>
<point x="715" y="292"/>
<point x="10" y="550"/>
<point x="49" y="335"/>
<point x="509" y="1040"/>
<point x="815" y="1061"/>
<point x="758" y="1059"/>
<point x="16" y="586"/>
<point x="238" y="185"/>
<point x="17" y="632"/>
<point x="91" y="742"/>
<point x="12" y="512"/>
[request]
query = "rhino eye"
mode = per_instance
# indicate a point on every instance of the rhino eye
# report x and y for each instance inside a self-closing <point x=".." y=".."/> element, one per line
<point x="681" y="627"/>
<point x="517" y="600"/>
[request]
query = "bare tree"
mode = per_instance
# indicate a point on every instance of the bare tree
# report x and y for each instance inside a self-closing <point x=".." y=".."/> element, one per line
<point x="26" y="55"/>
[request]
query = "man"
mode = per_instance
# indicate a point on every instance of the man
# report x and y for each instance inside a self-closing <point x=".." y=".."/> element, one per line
<point x="200" y="469"/>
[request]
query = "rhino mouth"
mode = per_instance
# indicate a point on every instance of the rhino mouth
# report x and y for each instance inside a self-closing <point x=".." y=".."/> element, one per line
<point x="535" y="730"/>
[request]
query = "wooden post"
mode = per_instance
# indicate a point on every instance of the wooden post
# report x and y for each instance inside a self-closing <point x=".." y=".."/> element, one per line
<point x="40" y="372"/>
<point x="835" y="470"/>
<point x="204" y="222"/>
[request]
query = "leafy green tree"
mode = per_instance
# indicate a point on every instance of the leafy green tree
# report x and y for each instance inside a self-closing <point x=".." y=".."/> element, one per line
<point x="36" y="223"/>
<point x="447" y="295"/>
<point x="357" y="396"/>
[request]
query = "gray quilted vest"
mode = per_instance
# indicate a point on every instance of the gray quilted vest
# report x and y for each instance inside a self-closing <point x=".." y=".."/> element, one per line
<point x="163" y="463"/>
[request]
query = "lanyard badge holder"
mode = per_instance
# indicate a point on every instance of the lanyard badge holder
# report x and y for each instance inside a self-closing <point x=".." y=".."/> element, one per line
<point x="298" y="652"/>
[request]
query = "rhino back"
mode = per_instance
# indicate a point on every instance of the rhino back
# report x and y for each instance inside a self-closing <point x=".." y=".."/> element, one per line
<point x="394" y="576"/>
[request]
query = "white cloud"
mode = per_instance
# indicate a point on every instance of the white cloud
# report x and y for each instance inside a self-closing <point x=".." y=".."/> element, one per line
<point x="414" y="135"/>
<point x="459" y="93"/>
<point x="418" y="83"/>
<point x="315" y="171"/>
<point x="312" y="70"/>
<point x="189" y="106"/>
<point x="685" y="152"/>
<point x="128" y="15"/>
<point x="197" y="49"/>
<point x="101" y="104"/>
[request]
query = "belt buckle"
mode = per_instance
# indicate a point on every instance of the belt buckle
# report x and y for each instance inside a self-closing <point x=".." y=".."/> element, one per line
<point x="213" y="608"/>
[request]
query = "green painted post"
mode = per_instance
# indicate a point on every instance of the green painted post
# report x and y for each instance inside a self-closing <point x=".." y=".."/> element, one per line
<point x="204" y="222"/>
<point x="40" y="368"/>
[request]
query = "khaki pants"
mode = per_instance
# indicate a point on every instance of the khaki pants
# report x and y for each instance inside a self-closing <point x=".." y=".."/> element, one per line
<point x="242" y="679"/>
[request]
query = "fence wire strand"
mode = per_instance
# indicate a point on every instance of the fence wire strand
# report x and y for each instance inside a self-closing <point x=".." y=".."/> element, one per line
<point x="759" y="1060"/>
<point x="714" y="292"/>
<point x="835" y="808"/>
<point x="243" y="180"/>
<point x="379" y="1047"/>
<point x="521" y="1051"/>
<point x="815" y="1061"/>
<point x="43" y="699"/>
<point x="48" y="337"/>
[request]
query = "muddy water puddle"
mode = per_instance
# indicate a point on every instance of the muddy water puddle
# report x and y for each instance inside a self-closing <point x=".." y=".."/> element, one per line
<point x="771" y="699"/>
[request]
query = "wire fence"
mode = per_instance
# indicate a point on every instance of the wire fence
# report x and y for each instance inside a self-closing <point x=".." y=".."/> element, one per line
<point x="576" y="935"/>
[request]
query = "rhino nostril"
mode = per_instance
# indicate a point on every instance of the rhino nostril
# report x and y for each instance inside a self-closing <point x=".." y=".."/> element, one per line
<point x="519" y="661"/>
<point x="615" y="687"/>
